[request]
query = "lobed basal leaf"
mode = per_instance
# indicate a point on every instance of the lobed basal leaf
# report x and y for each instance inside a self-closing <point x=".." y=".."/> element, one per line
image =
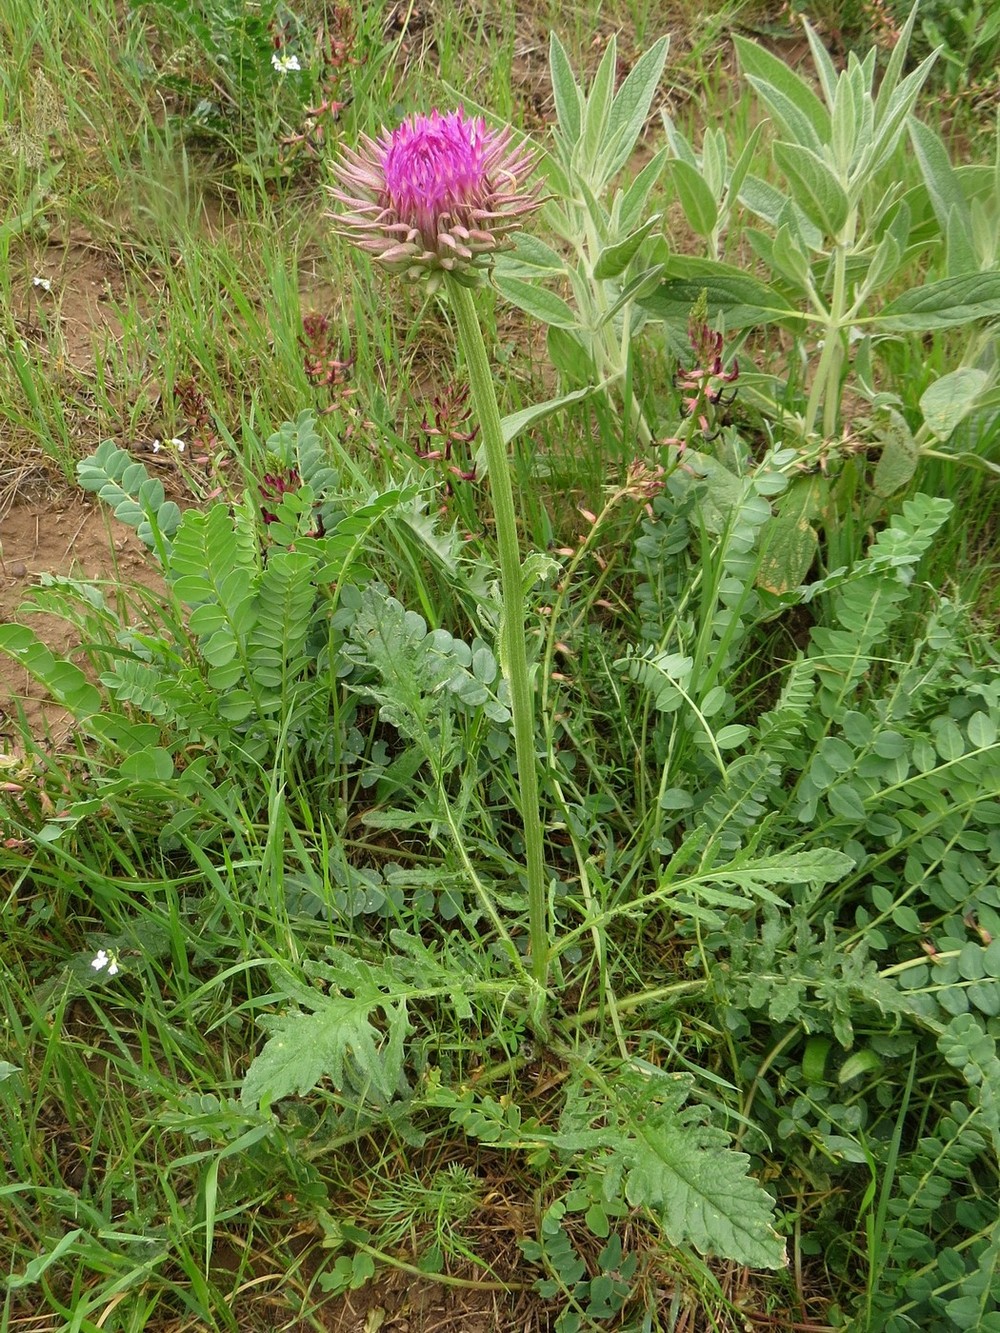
<point x="338" y="1041"/>
<point x="701" y="1191"/>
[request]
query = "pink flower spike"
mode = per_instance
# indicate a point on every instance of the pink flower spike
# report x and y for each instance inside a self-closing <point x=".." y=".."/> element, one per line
<point x="439" y="192"/>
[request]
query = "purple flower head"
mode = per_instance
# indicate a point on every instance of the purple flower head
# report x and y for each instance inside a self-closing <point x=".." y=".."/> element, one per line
<point x="438" y="192"/>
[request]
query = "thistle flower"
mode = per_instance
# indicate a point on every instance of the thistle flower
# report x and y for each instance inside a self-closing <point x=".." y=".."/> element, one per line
<point x="439" y="192"/>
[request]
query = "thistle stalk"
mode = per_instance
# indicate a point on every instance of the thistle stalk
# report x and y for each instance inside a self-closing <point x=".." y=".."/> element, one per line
<point x="434" y="200"/>
<point x="513" y="649"/>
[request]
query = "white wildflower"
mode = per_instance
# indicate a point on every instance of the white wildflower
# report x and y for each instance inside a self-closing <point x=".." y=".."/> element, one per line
<point x="44" y="283"/>
<point x="285" y="64"/>
<point x="103" y="960"/>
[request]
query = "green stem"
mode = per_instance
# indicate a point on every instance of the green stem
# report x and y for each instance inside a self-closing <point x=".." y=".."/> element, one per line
<point x="513" y="651"/>
<point x="823" y="391"/>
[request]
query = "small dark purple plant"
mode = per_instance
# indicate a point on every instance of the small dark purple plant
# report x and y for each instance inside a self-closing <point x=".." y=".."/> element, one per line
<point x="273" y="486"/>
<point x="703" y="384"/>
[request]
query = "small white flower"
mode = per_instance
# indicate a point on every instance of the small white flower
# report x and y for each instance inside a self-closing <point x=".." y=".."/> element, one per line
<point x="178" y="443"/>
<point x="105" y="960"/>
<point x="44" y="283"/>
<point x="157" y="446"/>
<point x="285" y="64"/>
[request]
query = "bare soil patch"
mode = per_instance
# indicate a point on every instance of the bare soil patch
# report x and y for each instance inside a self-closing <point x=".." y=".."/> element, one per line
<point x="61" y="534"/>
<point x="85" y="285"/>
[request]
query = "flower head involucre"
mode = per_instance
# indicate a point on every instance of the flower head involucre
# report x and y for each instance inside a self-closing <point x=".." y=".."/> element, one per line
<point x="439" y="192"/>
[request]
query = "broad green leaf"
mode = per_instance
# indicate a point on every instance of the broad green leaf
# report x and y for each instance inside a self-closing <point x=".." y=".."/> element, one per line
<point x="785" y="256"/>
<point x="742" y="300"/>
<point x="951" y="398"/>
<point x="788" y="97"/>
<point x="730" y="736"/>
<point x="569" y="355"/>
<point x="959" y="244"/>
<point x="530" y="258"/>
<point x="825" y="69"/>
<point x="65" y="682"/>
<point x="946" y="196"/>
<point x="516" y="422"/>
<point x="777" y="209"/>
<point x="985" y="238"/>
<point x="699" y="204"/>
<point x="536" y="301"/>
<point x="894" y="68"/>
<point x="945" y="304"/>
<point x="741" y="167"/>
<point x="763" y="199"/>
<point x="844" y="125"/>
<point x="152" y="765"/>
<point x="678" y="142"/>
<point x="861" y="1062"/>
<point x="976" y="461"/>
<point x="982" y="731"/>
<point x="889" y="129"/>
<point x="789" y="542"/>
<point x="631" y="106"/>
<point x="220" y="648"/>
<point x="714" y="161"/>
<point x="633" y="199"/>
<point x="884" y="263"/>
<point x="636" y="289"/>
<point x="567" y="93"/>
<point x="614" y="259"/>
<point x="596" y="111"/>
<point x="846" y="801"/>
<point x="898" y="460"/>
<point x="816" y="189"/>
